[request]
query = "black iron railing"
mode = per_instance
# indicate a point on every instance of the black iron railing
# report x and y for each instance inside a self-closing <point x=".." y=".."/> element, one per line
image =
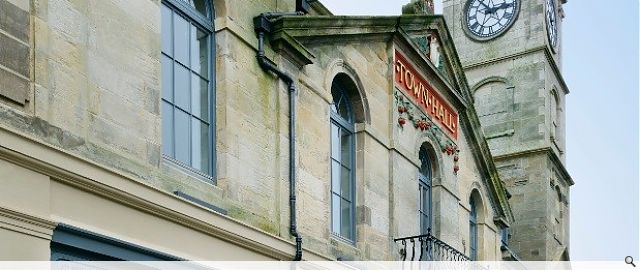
<point x="427" y="247"/>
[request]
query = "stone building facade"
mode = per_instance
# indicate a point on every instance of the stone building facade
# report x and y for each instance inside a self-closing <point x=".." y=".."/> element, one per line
<point x="240" y="130"/>
<point x="519" y="94"/>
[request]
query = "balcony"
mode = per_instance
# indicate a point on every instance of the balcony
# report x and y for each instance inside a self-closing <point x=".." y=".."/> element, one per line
<point x="427" y="247"/>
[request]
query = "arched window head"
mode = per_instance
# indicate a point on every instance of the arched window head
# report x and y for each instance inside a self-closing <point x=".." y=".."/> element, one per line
<point x="343" y="87"/>
<point x="425" y="162"/>
<point x="342" y="163"/>
<point x="341" y="102"/>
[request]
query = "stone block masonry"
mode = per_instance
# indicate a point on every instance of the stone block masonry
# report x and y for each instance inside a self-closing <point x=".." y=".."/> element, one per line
<point x="14" y="54"/>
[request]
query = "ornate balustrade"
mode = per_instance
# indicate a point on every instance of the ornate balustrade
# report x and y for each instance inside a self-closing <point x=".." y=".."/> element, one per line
<point x="427" y="247"/>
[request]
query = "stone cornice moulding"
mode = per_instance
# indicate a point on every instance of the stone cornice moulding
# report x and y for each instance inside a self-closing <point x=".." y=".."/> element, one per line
<point x="548" y="55"/>
<point x="49" y="160"/>
<point x="14" y="220"/>
<point x="543" y="150"/>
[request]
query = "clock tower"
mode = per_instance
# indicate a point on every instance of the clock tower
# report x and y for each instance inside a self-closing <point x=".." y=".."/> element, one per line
<point x="511" y="54"/>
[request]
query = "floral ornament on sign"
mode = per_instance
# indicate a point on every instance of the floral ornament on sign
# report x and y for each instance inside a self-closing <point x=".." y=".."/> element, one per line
<point x="408" y="112"/>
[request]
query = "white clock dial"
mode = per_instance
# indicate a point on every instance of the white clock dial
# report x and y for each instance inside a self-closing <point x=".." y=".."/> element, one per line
<point x="552" y="24"/>
<point x="486" y="19"/>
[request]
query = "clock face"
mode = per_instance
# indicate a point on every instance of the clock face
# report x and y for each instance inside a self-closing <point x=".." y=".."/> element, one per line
<point x="552" y="24"/>
<point x="486" y="19"/>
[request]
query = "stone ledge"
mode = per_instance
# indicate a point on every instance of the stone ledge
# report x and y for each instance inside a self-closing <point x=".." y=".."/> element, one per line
<point x="26" y="224"/>
<point x="95" y="179"/>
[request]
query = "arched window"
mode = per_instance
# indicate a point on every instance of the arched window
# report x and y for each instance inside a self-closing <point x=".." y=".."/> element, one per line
<point x="187" y="84"/>
<point x="342" y="162"/>
<point x="424" y="186"/>
<point x="473" y="230"/>
<point x="559" y="230"/>
<point x="556" y="112"/>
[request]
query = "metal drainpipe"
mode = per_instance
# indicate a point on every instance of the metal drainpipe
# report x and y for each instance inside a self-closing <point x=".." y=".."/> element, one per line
<point x="262" y="26"/>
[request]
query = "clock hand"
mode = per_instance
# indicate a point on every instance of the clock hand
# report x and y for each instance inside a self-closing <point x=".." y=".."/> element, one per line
<point x="482" y="3"/>
<point x="486" y="18"/>
<point x="501" y="6"/>
<point x="504" y="5"/>
<point x="485" y="7"/>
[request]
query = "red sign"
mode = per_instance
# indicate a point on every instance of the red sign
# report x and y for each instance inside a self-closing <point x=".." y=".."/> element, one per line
<point x="407" y="78"/>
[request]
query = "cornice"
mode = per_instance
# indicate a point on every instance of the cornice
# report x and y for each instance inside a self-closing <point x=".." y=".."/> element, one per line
<point x="51" y="161"/>
<point x="548" y="55"/>
<point x="543" y="150"/>
<point x="319" y="8"/>
<point x="17" y="221"/>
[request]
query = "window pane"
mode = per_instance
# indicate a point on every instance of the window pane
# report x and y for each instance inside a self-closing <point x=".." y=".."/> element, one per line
<point x="167" y="129"/>
<point x="346" y="219"/>
<point x="201" y="6"/>
<point x="421" y="195"/>
<point x="167" y="78"/>
<point x="335" y="213"/>
<point x="335" y="176"/>
<point x="335" y="142"/>
<point x="426" y="201"/>
<point x="199" y="97"/>
<point x="425" y="222"/>
<point x="343" y="109"/>
<point x="182" y="136"/>
<point x="345" y="183"/>
<point x="345" y="145"/>
<point x="199" y="145"/>
<point x="167" y="30"/>
<point x="199" y="52"/>
<point x="181" y="39"/>
<point x="341" y="101"/>
<point x="196" y="144"/>
<point x="182" y="93"/>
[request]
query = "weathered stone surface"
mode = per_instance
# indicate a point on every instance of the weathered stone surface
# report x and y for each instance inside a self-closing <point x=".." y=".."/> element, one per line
<point x="14" y="55"/>
<point x="515" y="80"/>
<point x="14" y="20"/>
<point x="97" y="80"/>
<point x="13" y="87"/>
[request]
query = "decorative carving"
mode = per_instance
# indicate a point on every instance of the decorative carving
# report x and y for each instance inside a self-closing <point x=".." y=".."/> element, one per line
<point x="409" y="112"/>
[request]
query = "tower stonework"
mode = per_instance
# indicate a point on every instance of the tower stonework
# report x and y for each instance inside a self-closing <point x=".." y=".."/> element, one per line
<point x="519" y="95"/>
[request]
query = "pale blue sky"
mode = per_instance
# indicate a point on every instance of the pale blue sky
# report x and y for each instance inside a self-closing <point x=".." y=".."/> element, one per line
<point x="600" y="65"/>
